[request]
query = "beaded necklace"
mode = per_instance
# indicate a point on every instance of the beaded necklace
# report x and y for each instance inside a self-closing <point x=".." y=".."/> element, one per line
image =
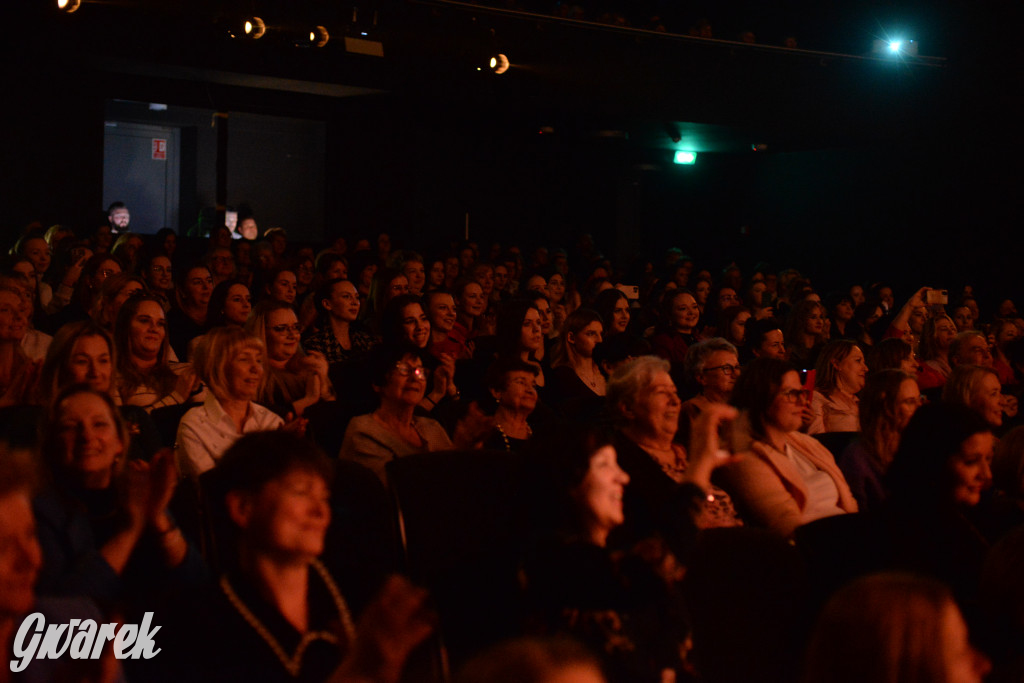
<point x="504" y="436"/>
<point x="293" y="664"/>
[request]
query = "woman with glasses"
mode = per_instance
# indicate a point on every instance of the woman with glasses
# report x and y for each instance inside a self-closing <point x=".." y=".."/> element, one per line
<point x="786" y="478"/>
<point x="714" y="366"/>
<point x="839" y="376"/>
<point x="889" y="399"/>
<point x="294" y="380"/>
<point x="393" y="430"/>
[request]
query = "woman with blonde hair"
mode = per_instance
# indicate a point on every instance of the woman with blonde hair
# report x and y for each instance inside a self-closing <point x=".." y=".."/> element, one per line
<point x="229" y="361"/>
<point x="977" y="388"/>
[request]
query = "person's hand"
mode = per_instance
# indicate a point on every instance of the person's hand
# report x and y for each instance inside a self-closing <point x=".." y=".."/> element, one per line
<point x="21" y="385"/>
<point x="138" y="493"/>
<point x="295" y="425"/>
<point x="389" y="629"/>
<point x="473" y="428"/>
<point x="707" y="452"/>
<point x="764" y="313"/>
<point x="314" y="361"/>
<point x="447" y="368"/>
<point x="74" y="271"/>
<point x="188" y="382"/>
<point x="163" y="479"/>
<point x="806" y="416"/>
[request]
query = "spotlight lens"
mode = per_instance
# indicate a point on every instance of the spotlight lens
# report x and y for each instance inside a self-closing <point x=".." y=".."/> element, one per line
<point x="686" y="157"/>
<point x="61" y="4"/>
<point x="895" y="46"/>
<point x="494" y="62"/>
<point x="312" y="36"/>
<point x="248" y="27"/>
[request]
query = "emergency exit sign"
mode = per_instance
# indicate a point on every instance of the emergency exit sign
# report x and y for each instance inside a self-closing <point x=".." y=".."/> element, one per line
<point x="159" y="149"/>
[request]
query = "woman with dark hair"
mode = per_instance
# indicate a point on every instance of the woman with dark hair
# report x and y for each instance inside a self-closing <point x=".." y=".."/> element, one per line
<point x="521" y="335"/>
<point x="732" y="325"/>
<point x="159" y="277"/>
<point x="889" y="399"/>
<point x="144" y="373"/>
<point x="613" y="307"/>
<point x="574" y="372"/>
<point x="1003" y="331"/>
<point x="404" y="323"/>
<point x="470" y="304"/>
<point x="805" y="333"/>
<point x="446" y="335"/>
<point x="115" y="290"/>
<point x="617" y="592"/>
<point x="936" y="481"/>
<point x="839" y="376"/>
<point x="840" y="310"/>
<point x="187" y="317"/>
<point x="166" y="242"/>
<point x="385" y="286"/>
<point x="891" y="628"/>
<point x="893" y="354"/>
<point x="678" y="328"/>
<point x="277" y="614"/>
<point x="393" y="429"/>
<point x="787" y="479"/>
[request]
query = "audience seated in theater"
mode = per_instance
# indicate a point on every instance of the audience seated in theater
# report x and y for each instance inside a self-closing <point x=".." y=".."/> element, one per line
<point x="145" y="376"/>
<point x="470" y="306"/>
<point x="230" y="361"/>
<point x="385" y="286"/>
<point x="230" y="304"/>
<point x="893" y="354"/>
<point x="293" y="381"/>
<point x="17" y="371"/>
<point x="732" y="325"/>
<point x="839" y="377"/>
<point x="103" y="523"/>
<point x="280" y="286"/>
<point x="889" y="399"/>
<point x="787" y="478"/>
<point x="158" y="275"/>
<point x="970" y="348"/>
<point x="98" y="268"/>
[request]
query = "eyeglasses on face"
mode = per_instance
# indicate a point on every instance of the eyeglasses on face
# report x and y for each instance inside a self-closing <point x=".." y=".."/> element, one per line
<point x="281" y="329"/>
<point x="726" y="369"/>
<point x="405" y="369"/>
<point x="796" y="395"/>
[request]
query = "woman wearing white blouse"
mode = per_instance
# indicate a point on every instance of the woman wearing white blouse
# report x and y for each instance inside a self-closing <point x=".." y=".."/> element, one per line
<point x="230" y="361"/>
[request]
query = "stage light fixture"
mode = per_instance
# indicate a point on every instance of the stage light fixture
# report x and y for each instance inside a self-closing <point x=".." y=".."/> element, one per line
<point x="499" y="64"/>
<point x="686" y="158"/>
<point x="895" y="47"/>
<point x="319" y="36"/>
<point x="68" y="6"/>
<point x="254" y="28"/>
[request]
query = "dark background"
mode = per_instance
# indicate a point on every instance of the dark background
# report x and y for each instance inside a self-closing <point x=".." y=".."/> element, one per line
<point x="907" y="171"/>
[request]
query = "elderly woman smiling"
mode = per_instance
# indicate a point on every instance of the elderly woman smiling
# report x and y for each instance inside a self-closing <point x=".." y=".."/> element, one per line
<point x="230" y="361"/>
